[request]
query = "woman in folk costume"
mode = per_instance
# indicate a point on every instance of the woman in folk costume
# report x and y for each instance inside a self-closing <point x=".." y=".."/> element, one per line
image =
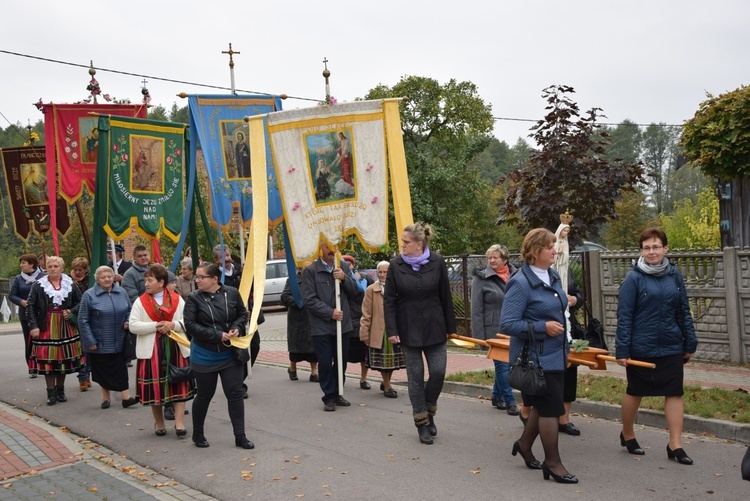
<point x="51" y="311"/>
<point x="154" y="314"/>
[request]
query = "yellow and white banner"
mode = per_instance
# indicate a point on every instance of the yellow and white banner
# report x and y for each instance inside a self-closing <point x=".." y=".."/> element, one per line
<point x="332" y="169"/>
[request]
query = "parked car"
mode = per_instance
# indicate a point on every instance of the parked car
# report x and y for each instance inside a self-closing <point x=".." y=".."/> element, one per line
<point x="277" y="274"/>
<point x="589" y="246"/>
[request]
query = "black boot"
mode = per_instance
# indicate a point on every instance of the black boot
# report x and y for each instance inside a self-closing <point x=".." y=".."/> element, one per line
<point x="431" y="427"/>
<point x="51" y="396"/>
<point x="199" y="439"/>
<point x="424" y="434"/>
<point x="61" y="394"/>
<point x="242" y="441"/>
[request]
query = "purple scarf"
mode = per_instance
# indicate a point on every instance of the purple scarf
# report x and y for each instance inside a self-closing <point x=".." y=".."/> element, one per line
<point x="417" y="262"/>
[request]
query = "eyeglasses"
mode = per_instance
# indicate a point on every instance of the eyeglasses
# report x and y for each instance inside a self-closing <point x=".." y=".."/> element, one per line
<point x="201" y="277"/>
<point x="654" y="248"/>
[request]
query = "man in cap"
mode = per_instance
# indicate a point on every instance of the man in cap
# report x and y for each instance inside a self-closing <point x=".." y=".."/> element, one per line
<point x="122" y="265"/>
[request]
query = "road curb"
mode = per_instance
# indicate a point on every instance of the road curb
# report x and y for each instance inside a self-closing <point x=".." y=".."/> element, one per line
<point x="692" y="424"/>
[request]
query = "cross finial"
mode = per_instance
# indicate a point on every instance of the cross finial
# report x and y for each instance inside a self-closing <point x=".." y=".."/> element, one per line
<point x="325" y="62"/>
<point x="231" y="53"/>
<point x="144" y="82"/>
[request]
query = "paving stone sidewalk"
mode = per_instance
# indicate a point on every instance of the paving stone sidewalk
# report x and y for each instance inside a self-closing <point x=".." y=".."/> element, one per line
<point x="39" y="461"/>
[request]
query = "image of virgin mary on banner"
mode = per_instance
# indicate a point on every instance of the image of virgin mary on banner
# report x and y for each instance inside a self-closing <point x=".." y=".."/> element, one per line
<point x="26" y="180"/>
<point x="331" y="166"/>
<point x="217" y="123"/>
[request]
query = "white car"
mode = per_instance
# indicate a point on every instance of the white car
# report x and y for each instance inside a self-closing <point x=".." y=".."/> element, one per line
<point x="277" y="274"/>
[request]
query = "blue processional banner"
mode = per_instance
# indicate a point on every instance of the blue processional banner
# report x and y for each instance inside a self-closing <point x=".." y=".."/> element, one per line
<point x="217" y="122"/>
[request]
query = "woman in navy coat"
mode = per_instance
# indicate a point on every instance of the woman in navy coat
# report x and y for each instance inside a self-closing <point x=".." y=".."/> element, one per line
<point x="535" y="299"/>
<point x="654" y="325"/>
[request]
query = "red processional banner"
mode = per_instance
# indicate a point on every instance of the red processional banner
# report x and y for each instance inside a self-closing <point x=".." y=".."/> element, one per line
<point x="72" y="144"/>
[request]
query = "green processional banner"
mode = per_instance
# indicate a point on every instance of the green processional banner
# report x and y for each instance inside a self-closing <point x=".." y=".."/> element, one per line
<point x="140" y="173"/>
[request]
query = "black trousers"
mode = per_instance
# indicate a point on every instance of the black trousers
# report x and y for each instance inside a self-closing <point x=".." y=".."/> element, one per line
<point x="231" y="383"/>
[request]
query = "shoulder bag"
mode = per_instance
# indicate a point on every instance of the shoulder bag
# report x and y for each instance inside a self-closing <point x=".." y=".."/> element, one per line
<point x="526" y="374"/>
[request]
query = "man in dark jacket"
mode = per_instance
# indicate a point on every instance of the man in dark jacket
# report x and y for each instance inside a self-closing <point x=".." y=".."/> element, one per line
<point x="319" y="299"/>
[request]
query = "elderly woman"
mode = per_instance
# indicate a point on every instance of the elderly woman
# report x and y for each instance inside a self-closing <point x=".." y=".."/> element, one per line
<point x="487" y="294"/>
<point x="213" y="316"/>
<point x="298" y="337"/>
<point x="102" y="321"/>
<point x="51" y="313"/>
<point x="19" y="293"/>
<point x="186" y="281"/>
<point x="654" y="325"/>
<point x="382" y="355"/>
<point x="418" y="308"/>
<point x="535" y="301"/>
<point x="154" y="315"/>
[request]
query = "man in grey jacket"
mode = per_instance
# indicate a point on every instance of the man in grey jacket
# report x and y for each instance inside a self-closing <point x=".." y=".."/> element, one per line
<point x="133" y="280"/>
<point x="319" y="298"/>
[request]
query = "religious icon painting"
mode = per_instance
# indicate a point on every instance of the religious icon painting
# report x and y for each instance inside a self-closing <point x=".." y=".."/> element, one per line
<point x="331" y="162"/>
<point x="89" y="138"/>
<point x="34" y="176"/>
<point x="147" y="171"/>
<point x="235" y="146"/>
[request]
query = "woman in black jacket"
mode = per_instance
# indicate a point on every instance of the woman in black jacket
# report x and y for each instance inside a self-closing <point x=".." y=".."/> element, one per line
<point x="419" y="315"/>
<point x="213" y="315"/>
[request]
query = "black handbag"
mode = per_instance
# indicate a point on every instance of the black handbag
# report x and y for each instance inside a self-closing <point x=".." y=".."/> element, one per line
<point x="129" y="346"/>
<point x="527" y="375"/>
<point x="180" y="374"/>
<point x="241" y="355"/>
<point x="595" y="331"/>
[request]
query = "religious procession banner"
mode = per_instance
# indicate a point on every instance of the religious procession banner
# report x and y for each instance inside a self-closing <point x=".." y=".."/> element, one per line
<point x="332" y="165"/>
<point x="217" y="124"/>
<point x="72" y="143"/>
<point x="140" y="177"/>
<point x="26" y="181"/>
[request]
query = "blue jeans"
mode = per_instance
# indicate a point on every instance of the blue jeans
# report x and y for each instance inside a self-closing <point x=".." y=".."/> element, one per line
<point x="325" y="351"/>
<point x="501" y="388"/>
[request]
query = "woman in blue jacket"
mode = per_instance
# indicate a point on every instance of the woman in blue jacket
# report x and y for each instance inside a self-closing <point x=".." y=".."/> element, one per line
<point x="654" y="325"/>
<point x="102" y="322"/>
<point x="535" y="299"/>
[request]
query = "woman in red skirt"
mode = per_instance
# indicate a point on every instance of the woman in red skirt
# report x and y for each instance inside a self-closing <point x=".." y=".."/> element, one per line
<point x="157" y="312"/>
<point x="51" y="311"/>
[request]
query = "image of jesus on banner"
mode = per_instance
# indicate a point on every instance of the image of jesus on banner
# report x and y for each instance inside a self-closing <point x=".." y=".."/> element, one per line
<point x="332" y="168"/>
<point x="235" y="147"/>
<point x="148" y="164"/>
<point x="35" y="183"/>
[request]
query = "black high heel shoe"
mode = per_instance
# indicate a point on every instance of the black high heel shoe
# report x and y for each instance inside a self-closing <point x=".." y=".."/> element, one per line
<point x="158" y="432"/>
<point x="679" y="454"/>
<point x="632" y="446"/>
<point x="531" y="465"/>
<point x="565" y="479"/>
<point x="130" y="402"/>
<point x="200" y="441"/>
<point x="180" y="432"/>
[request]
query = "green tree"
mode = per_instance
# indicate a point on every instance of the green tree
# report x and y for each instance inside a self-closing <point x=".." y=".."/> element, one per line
<point x="631" y="217"/>
<point x="657" y="153"/>
<point x="625" y="142"/>
<point x="694" y="225"/>
<point x="717" y="140"/>
<point x="444" y="128"/>
<point x="570" y="172"/>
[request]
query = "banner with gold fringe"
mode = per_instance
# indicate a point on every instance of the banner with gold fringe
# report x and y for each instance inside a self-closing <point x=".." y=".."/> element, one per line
<point x="332" y="169"/>
<point x="26" y="180"/>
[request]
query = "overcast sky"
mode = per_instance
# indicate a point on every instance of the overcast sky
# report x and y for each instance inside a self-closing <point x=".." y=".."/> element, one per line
<point x="649" y="61"/>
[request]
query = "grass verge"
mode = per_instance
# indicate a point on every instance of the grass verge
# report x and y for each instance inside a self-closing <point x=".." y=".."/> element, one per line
<point x="713" y="403"/>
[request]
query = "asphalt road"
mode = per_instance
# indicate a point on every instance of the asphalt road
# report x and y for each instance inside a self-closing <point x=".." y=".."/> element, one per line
<point x="371" y="450"/>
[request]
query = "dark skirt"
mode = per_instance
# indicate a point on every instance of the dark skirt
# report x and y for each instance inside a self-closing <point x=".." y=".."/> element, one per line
<point x="551" y="403"/>
<point x="109" y="370"/>
<point x="357" y="350"/>
<point x="302" y="357"/>
<point x="666" y="380"/>
<point x="57" y="350"/>
<point x="570" y="385"/>
<point x="153" y="386"/>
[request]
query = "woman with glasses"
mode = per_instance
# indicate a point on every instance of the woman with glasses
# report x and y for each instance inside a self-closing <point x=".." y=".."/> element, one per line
<point x="215" y="314"/>
<point x="654" y="325"/>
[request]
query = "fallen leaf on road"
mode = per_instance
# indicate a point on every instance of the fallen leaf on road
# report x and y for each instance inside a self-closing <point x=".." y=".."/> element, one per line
<point x="718" y="474"/>
<point x="209" y="474"/>
<point x="93" y="488"/>
<point x="475" y="472"/>
<point x="294" y="478"/>
<point x="344" y="472"/>
<point x="277" y="478"/>
<point x="5" y="486"/>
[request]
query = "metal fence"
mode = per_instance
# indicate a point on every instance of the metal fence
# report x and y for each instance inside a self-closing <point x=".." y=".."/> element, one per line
<point x="461" y="270"/>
